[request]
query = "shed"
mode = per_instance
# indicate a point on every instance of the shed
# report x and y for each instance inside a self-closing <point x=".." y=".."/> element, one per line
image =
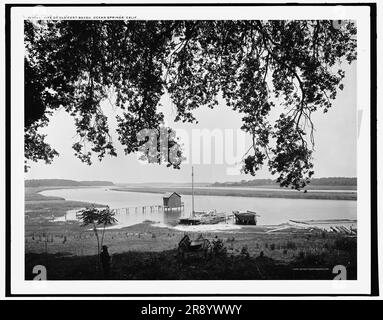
<point x="172" y="200"/>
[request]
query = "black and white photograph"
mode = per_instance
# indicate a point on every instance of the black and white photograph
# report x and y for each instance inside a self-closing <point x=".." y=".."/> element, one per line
<point x="156" y="149"/>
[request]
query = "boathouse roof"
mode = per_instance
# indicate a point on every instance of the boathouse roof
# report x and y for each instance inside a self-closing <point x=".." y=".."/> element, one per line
<point x="169" y="194"/>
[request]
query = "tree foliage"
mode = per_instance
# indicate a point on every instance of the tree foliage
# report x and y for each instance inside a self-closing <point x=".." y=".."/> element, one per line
<point x="97" y="217"/>
<point x="255" y="66"/>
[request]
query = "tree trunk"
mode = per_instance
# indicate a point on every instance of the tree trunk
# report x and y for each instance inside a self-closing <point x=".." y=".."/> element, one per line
<point x="98" y="243"/>
<point x="102" y="237"/>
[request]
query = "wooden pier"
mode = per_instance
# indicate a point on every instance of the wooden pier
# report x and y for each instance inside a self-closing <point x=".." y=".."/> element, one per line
<point x="140" y="209"/>
<point x="148" y="209"/>
<point x="171" y="203"/>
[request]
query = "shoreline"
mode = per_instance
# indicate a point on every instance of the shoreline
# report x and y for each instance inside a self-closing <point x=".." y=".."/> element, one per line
<point x="53" y="208"/>
<point x="312" y="195"/>
<point x="39" y="206"/>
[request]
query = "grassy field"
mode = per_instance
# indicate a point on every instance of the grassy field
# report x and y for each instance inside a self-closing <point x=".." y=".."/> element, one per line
<point x="246" y="193"/>
<point x="146" y="252"/>
<point x="140" y="250"/>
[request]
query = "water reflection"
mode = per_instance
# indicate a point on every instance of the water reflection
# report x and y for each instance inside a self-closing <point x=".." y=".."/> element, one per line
<point x="171" y="217"/>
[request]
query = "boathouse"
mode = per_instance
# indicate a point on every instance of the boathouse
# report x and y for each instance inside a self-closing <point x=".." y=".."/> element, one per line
<point x="172" y="200"/>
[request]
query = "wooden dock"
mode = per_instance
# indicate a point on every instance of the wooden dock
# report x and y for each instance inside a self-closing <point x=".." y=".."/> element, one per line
<point x="147" y="209"/>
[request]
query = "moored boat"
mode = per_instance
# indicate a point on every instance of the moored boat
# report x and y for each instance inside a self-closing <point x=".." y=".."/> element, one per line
<point x="189" y="221"/>
<point x="202" y="217"/>
<point x="212" y="217"/>
<point x="245" y="217"/>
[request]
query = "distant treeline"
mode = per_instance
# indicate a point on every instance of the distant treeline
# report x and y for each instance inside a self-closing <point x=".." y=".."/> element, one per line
<point x="330" y="181"/>
<point x="64" y="182"/>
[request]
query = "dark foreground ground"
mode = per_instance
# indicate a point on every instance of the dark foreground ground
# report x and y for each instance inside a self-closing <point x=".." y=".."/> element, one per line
<point x="219" y="265"/>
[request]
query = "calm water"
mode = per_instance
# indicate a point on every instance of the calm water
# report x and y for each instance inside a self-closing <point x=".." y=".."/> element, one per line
<point x="271" y="210"/>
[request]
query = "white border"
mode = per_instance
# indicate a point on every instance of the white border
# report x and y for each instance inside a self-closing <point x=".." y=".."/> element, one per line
<point x="360" y="286"/>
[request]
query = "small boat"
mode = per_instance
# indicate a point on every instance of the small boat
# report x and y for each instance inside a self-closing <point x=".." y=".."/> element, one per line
<point x="245" y="217"/>
<point x="212" y="217"/>
<point x="198" y="243"/>
<point x="189" y="221"/>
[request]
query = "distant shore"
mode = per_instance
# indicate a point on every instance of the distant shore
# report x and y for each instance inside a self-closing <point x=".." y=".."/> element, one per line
<point x="234" y="192"/>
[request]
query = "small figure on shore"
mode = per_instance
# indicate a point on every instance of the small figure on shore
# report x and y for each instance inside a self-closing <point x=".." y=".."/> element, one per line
<point x="105" y="261"/>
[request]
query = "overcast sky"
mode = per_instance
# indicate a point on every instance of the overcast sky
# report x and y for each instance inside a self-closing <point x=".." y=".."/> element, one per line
<point x="335" y="146"/>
